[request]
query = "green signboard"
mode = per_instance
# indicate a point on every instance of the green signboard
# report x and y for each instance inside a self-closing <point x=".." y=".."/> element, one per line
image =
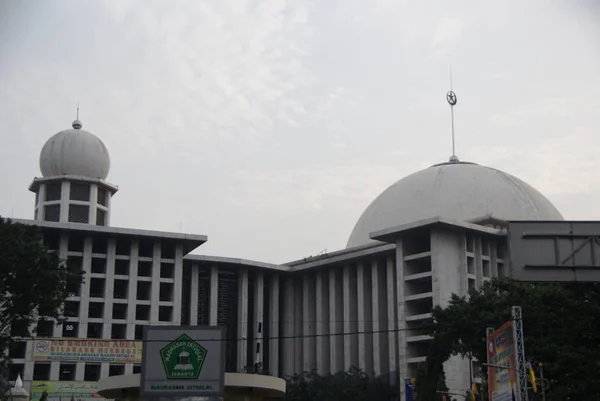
<point x="183" y="361"/>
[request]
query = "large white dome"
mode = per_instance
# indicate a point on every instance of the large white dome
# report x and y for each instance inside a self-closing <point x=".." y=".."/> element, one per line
<point x="456" y="190"/>
<point x="75" y="152"/>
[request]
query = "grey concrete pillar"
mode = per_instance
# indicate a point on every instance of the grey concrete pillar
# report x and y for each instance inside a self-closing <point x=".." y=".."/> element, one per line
<point x="214" y="295"/>
<point x="323" y="319"/>
<point x="274" y="326"/>
<point x="155" y="294"/>
<point x="242" y="353"/>
<point x="178" y="285"/>
<point x="194" y="273"/>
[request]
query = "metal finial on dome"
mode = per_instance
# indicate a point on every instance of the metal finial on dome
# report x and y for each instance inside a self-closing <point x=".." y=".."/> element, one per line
<point x="77" y="124"/>
<point x="452" y="100"/>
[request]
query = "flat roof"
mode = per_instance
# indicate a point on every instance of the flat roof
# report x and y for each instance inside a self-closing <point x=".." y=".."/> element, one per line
<point x="390" y="234"/>
<point x="191" y="258"/>
<point x="341" y="256"/>
<point x="69" y="177"/>
<point x="189" y="241"/>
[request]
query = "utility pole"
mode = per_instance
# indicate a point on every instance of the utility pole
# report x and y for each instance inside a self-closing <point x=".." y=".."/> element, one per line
<point x="541" y="366"/>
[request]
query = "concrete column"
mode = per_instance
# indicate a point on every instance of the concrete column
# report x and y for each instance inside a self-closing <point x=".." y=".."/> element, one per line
<point x="391" y="317"/>
<point x="27" y="362"/>
<point x="194" y="273"/>
<point x="178" y="284"/>
<point x="377" y="365"/>
<point x="131" y="285"/>
<point x="322" y="317"/>
<point x="93" y="204"/>
<point x="462" y="264"/>
<point x="401" y="318"/>
<point x="350" y="318"/>
<point x="333" y="352"/>
<point x="478" y="262"/>
<point x="347" y="323"/>
<point x="41" y="201"/>
<point x="336" y="313"/>
<point x="86" y="266"/>
<point x="155" y="295"/>
<point x="298" y="326"/>
<point x="65" y="192"/>
<point x="274" y="325"/>
<point x="365" y="318"/>
<point x="446" y="263"/>
<point x="242" y="354"/>
<point x="214" y="295"/>
<point x="108" y="202"/>
<point x="62" y="252"/>
<point x="288" y="321"/>
<point x="259" y="307"/>
<point x="309" y="325"/>
<point x="84" y="303"/>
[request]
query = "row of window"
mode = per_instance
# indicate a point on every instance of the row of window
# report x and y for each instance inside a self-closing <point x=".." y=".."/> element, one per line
<point x="79" y="192"/>
<point x="66" y="372"/>
<point x="123" y="267"/>
<point x="486" y="246"/>
<point x="77" y="214"/>
<point x="100" y="245"/>
<point x="120" y="290"/>
<point x="119" y="310"/>
<point x="70" y="329"/>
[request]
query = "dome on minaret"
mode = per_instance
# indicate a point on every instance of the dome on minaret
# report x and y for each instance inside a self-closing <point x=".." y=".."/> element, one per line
<point x="75" y="152"/>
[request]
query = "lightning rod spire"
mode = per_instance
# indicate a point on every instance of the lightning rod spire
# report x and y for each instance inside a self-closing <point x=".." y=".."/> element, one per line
<point x="452" y="100"/>
<point x="77" y="123"/>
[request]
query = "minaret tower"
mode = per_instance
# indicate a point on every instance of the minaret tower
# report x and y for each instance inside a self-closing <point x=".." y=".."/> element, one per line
<point x="74" y="165"/>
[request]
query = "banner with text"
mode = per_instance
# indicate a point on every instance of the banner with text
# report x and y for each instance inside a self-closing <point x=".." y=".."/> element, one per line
<point x="65" y="391"/>
<point x="79" y="349"/>
<point x="502" y="354"/>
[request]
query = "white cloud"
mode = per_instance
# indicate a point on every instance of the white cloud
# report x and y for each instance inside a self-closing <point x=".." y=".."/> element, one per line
<point x="230" y="115"/>
<point x="212" y="71"/>
<point x="446" y="35"/>
<point x="566" y="165"/>
<point x="345" y="188"/>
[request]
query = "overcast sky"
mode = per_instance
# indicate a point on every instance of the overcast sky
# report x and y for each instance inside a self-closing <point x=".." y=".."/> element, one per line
<point x="271" y="125"/>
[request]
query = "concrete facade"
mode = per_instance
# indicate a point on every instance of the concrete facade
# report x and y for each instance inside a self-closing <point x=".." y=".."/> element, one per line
<point x="360" y="307"/>
<point x="363" y="306"/>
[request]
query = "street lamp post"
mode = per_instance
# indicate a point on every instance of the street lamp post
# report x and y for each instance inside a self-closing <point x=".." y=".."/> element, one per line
<point x="541" y="366"/>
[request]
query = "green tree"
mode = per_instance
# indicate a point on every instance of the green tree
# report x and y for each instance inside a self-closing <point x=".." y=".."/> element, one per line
<point x="561" y="328"/>
<point x="33" y="284"/>
<point x="422" y="383"/>
<point x="353" y="385"/>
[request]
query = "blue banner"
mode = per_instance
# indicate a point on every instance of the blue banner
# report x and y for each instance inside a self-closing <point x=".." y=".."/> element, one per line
<point x="408" y="389"/>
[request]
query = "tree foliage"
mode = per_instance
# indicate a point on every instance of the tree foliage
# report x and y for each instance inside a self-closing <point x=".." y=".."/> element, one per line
<point x="422" y="382"/>
<point x="561" y="324"/>
<point x="33" y="284"/>
<point x="353" y="385"/>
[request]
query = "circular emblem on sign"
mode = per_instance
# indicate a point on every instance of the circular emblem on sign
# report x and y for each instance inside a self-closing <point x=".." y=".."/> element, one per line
<point x="451" y="98"/>
<point x="491" y="346"/>
<point x="41" y="346"/>
<point x="183" y="358"/>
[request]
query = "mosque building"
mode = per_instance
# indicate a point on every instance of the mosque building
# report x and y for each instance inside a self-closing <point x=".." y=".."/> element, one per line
<point x="434" y="233"/>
